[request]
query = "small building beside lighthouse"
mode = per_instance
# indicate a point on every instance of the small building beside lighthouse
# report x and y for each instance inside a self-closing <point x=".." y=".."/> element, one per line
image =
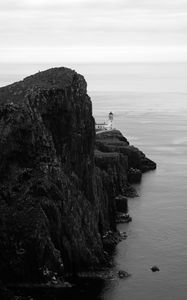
<point x="106" y="125"/>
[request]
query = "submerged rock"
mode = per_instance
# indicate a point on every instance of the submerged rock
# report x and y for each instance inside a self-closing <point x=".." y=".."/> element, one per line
<point x="155" y="269"/>
<point x="123" y="235"/>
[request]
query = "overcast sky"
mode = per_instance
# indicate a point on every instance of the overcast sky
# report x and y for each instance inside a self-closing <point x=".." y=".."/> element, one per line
<point x="93" y="30"/>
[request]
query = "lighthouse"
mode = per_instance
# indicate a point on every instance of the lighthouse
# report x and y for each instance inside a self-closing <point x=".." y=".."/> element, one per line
<point x="100" y="127"/>
<point x="110" y="120"/>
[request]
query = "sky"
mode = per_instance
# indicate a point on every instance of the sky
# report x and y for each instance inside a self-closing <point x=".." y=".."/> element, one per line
<point x="93" y="31"/>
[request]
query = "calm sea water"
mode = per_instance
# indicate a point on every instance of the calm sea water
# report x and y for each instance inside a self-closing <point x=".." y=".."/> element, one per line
<point x="149" y="102"/>
<point x="157" y="234"/>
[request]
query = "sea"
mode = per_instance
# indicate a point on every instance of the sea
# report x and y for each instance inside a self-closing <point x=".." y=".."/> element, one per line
<point x="149" y="103"/>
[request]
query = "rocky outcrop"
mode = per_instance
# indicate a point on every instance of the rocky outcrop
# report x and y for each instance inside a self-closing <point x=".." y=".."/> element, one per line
<point x="57" y="185"/>
<point x="113" y="141"/>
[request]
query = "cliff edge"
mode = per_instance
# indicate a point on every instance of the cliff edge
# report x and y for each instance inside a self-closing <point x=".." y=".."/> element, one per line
<point x="58" y="181"/>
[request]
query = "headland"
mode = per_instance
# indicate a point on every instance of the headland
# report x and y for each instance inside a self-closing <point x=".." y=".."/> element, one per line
<point x="63" y="188"/>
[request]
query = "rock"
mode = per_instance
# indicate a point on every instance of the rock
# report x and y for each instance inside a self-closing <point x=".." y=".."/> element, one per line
<point x="114" y="141"/>
<point x="54" y="280"/>
<point x="49" y="196"/>
<point x="123" y="218"/>
<point x="67" y="284"/>
<point x="155" y="269"/>
<point x="58" y="182"/>
<point x="5" y="294"/>
<point x="110" y="240"/>
<point x="123" y="235"/>
<point x="147" y="165"/>
<point x="134" y="175"/>
<point x="111" y="177"/>
<point x="121" y="204"/>
<point x="130" y="192"/>
<point x="102" y="274"/>
<point x="123" y="274"/>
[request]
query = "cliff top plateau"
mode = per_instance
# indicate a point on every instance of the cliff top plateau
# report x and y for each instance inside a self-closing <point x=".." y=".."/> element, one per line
<point x="55" y="78"/>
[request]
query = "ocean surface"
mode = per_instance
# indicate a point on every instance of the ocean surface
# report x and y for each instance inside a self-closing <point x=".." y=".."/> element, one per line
<point x="157" y="234"/>
<point x="149" y="102"/>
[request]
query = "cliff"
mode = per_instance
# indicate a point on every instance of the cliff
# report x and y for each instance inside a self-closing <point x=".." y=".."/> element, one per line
<point x="57" y="181"/>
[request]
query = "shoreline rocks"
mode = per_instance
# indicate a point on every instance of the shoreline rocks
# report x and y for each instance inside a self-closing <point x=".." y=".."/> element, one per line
<point x="123" y="218"/>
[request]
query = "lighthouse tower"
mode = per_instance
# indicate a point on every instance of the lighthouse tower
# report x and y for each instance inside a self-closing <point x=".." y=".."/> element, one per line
<point x="110" y="120"/>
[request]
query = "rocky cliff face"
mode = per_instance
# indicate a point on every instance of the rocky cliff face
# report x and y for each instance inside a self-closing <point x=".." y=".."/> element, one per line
<point x="56" y="195"/>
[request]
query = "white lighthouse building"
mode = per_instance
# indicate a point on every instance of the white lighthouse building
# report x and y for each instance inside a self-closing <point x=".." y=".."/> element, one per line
<point x="106" y="125"/>
<point x="110" y="120"/>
